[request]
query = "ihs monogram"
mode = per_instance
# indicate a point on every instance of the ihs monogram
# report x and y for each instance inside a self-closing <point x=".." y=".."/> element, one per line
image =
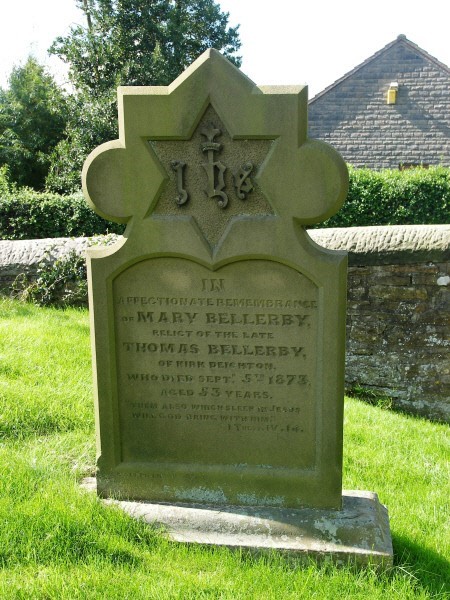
<point x="215" y="170"/>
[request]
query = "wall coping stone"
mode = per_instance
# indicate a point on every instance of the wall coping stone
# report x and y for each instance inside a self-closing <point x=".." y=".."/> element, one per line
<point x="33" y="252"/>
<point x="390" y="244"/>
<point x="387" y="244"/>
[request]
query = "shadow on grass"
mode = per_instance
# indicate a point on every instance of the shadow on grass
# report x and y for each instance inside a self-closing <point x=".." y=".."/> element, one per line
<point x="430" y="569"/>
<point x="30" y="425"/>
<point x="379" y="400"/>
<point x="14" y="308"/>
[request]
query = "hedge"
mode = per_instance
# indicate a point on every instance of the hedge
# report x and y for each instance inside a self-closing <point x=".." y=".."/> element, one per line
<point x="391" y="197"/>
<point x="26" y="214"/>
<point x="388" y="197"/>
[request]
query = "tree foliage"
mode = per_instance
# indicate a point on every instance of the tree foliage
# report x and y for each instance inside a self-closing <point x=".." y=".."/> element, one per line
<point x="142" y="42"/>
<point x="127" y="42"/>
<point x="92" y="121"/>
<point x="32" y="121"/>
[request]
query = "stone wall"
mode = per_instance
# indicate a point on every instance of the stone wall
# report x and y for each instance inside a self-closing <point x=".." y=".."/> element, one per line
<point x="398" y="315"/>
<point x="353" y="116"/>
<point x="24" y="257"/>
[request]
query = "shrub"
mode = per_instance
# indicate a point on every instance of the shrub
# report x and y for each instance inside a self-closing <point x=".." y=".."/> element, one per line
<point x="391" y="197"/>
<point x="25" y="214"/>
<point x="59" y="283"/>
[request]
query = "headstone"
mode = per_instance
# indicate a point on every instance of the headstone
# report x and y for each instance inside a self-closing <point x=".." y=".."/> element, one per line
<point x="217" y="324"/>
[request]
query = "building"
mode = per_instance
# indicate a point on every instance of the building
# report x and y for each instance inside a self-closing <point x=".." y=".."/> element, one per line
<point x="391" y="111"/>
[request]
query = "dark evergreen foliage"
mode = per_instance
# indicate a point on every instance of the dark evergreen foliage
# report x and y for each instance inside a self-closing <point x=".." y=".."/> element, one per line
<point x="32" y="121"/>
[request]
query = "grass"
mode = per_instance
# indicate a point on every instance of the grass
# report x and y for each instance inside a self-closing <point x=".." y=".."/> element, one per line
<point x="57" y="541"/>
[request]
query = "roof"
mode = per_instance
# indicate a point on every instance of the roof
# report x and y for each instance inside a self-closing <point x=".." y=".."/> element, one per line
<point x="401" y="39"/>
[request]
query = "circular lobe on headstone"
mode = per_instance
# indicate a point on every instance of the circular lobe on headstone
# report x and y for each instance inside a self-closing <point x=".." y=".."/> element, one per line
<point x="118" y="184"/>
<point x="317" y="184"/>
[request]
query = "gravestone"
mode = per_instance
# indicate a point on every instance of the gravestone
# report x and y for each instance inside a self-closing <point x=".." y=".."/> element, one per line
<point x="217" y="324"/>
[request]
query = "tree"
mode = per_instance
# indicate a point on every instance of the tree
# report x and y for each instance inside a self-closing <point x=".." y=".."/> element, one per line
<point x="32" y="122"/>
<point x="127" y="42"/>
<point x="142" y="42"/>
<point x="92" y="121"/>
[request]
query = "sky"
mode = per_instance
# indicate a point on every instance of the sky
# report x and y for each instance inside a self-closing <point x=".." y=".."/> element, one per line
<point x="286" y="42"/>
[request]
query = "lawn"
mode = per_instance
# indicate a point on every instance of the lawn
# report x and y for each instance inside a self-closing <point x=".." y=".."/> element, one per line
<point x="58" y="541"/>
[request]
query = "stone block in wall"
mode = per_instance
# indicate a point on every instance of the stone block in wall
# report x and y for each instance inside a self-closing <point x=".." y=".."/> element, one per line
<point x="394" y="293"/>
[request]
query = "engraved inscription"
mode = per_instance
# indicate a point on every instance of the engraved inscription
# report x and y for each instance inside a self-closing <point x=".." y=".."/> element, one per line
<point x="214" y="168"/>
<point x="212" y="165"/>
<point x="224" y="362"/>
<point x="213" y="285"/>
<point x="182" y="197"/>
<point x="242" y="181"/>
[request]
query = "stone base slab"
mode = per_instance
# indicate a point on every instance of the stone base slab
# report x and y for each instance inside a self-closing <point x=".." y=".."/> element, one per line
<point x="359" y="533"/>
